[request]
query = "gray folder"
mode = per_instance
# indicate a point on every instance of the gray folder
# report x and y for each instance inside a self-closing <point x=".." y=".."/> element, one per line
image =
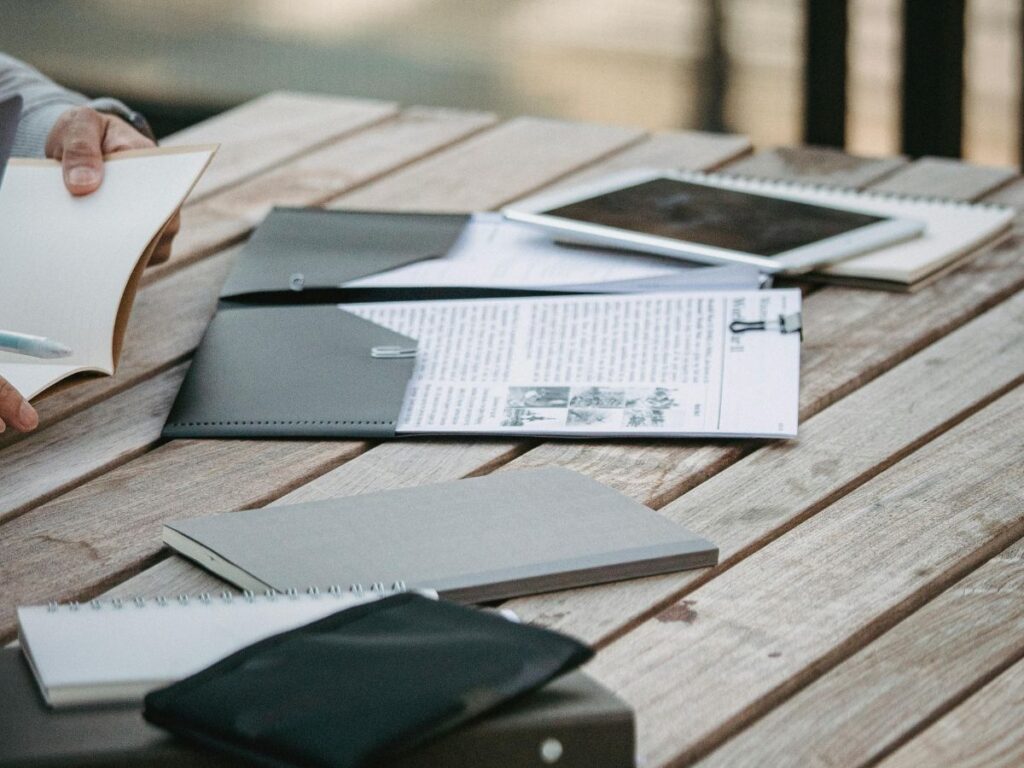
<point x="279" y="359"/>
<point x="284" y="371"/>
<point x="314" y="252"/>
<point x="488" y="538"/>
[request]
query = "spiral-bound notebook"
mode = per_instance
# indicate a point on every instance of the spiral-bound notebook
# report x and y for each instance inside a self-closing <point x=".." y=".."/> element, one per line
<point x="953" y="231"/>
<point x="117" y="651"/>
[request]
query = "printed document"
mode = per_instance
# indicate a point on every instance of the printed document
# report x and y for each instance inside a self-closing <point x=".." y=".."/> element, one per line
<point x="494" y="252"/>
<point x="655" y="364"/>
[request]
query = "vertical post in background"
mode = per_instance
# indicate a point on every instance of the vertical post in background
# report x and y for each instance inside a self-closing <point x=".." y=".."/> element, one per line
<point x="826" y="35"/>
<point x="713" y="71"/>
<point x="933" y="77"/>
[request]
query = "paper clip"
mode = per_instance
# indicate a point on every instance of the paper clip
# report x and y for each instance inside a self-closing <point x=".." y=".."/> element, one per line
<point x="392" y="353"/>
<point x="792" y="323"/>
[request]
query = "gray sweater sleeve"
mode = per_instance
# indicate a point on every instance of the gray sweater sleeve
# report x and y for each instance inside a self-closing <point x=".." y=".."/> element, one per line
<point x="43" y="101"/>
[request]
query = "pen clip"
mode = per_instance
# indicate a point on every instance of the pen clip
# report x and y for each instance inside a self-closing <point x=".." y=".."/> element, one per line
<point x="791" y="323"/>
<point x="392" y="352"/>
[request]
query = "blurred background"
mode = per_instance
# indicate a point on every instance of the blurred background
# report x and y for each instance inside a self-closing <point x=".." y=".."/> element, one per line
<point x="736" y="65"/>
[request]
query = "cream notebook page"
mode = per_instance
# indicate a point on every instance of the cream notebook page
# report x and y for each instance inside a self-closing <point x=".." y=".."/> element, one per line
<point x="68" y="261"/>
<point x="952" y="228"/>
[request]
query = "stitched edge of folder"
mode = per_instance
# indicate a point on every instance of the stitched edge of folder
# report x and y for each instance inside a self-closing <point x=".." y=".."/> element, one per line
<point x="270" y="423"/>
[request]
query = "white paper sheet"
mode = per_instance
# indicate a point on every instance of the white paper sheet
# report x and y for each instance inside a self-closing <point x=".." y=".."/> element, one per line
<point x="494" y="252"/>
<point x="67" y="260"/>
<point x="623" y="365"/>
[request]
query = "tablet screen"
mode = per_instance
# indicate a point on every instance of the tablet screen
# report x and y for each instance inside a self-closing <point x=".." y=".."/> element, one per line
<point x="722" y="218"/>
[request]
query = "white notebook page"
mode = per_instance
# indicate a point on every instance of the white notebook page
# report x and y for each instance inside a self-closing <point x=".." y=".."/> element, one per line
<point x="67" y="260"/>
<point x="88" y="655"/>
<point x="623" y="365"/>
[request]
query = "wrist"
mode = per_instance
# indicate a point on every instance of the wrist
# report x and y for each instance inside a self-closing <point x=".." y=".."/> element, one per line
<point x="135" y="119"/>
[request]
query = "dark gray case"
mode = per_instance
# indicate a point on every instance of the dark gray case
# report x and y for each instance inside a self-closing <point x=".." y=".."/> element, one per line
<point x="279" y="359"/>
<point x="287" y="371"/>
<point x="304" y="254"/>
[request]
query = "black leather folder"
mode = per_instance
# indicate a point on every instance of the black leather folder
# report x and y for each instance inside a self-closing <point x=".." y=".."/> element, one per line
<point x="279" y="359"/>
<point x="305" y="255"/>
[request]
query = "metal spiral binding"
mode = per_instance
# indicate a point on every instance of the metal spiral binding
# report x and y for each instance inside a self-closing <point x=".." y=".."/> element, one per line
<point x="753" y="183"/>
<point x="226" y="597"/>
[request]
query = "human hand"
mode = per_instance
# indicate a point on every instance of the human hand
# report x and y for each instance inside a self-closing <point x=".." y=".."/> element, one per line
<point x="15" y="410"/>
<point x="80" y="138"/>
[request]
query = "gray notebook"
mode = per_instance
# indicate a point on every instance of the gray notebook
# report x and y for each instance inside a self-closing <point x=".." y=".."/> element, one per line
<point x="488" y="538"/>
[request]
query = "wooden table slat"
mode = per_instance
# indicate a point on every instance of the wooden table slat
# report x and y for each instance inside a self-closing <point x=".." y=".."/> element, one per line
<point x="816" y="165"/>
<point x="489" y="170"/>
<point x="910" y="676"/>
<point x="52" y="461"/>
<point x="316" y="177"/>
<point x="249" y="484"/>
<point x="849" y="555"/>
<point x="707" y="666"/>
<point x="772" y="490"/>
<point x="85" y="544"/>
<point x="983" y="732"/>
<point x="272" y="129"/>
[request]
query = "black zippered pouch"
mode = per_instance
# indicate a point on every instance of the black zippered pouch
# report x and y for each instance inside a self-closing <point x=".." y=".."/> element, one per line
<point x="364" y="684"/>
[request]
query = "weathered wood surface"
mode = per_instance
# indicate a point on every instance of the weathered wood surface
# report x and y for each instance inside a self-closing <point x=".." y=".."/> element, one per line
<point x="737" y="646"/>
<point x="846" y="554"/>
<point x="774" y="489"/>
<point x="272" y="129"/>
<point x="312" y="179"/>
<point x="984" y="732"/>
<point x="200" y="497"/>
<point x="912" y="675"/>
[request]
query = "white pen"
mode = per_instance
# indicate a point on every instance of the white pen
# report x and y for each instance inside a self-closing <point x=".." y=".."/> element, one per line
<point x="33" y="346"/>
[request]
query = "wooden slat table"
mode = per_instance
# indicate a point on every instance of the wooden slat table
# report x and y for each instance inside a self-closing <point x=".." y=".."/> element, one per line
<point x="868" y="604"/>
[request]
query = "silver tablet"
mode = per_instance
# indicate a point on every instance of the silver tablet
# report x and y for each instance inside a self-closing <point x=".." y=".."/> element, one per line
<point x="711" y="219"/>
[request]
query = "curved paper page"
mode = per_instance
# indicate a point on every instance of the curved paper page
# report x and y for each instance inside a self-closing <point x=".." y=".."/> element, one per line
<point x="68" y="261"/>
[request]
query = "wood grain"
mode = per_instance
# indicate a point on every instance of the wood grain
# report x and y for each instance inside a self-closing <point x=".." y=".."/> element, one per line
<point x="739" y="645"/>
<point x="486" y="171"/>
<point x="108" y="528"/>
<point x="655" y="471"/>
<point x="816" y="165"/>
<point x="945" y="179"/>
<point x="56" y="458"/>
<point x="772" y="490"/>
<point x="264" y="132"/>
<point x="923" y="667"/>
<point x="414" y="462"/>
<point x="676" y="150"/>
<point x="313" y="178"/>
<point x="153" y="474"/>
<point x="984" y="732"/>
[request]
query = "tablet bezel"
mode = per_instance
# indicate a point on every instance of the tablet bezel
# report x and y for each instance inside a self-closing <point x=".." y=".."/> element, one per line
<point x="531" y="210"/>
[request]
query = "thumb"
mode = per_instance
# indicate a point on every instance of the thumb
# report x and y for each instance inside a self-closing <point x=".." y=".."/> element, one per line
<point x="81" y="151"/>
